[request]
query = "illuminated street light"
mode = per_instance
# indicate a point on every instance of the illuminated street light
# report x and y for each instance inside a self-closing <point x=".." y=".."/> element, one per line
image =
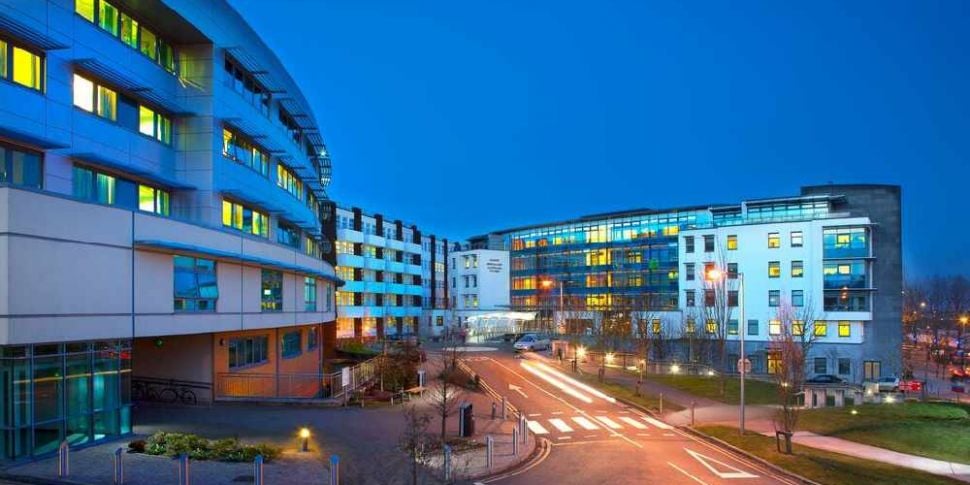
<point x="716" y="275"/>
<point x="305" y="435"/>
<point x="581" y="352"/>
<point x="609" y="357"/>
<point x="674" y="369"/>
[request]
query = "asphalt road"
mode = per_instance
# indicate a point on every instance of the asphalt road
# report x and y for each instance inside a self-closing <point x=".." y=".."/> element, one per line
<point x="595" y="439"/>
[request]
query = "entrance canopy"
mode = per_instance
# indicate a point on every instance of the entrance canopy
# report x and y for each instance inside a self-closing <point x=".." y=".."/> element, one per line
<point x="489" y="324"/>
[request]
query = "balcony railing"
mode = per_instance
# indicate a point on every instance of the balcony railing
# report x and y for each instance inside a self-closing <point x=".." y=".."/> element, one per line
<point x="253" y="385"/>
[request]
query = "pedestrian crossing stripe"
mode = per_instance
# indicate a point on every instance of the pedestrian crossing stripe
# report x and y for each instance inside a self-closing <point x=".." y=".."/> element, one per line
<point x="608" y="422"/>
<point x="657" y="423"/>
<point x="537" y="428"/>
<point x="632" y="422"/>
<point x="560" y="425"/>
<point x="585" y="423"/>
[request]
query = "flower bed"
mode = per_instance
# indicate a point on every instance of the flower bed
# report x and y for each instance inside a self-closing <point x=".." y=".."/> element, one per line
<point x="199" y="448"/>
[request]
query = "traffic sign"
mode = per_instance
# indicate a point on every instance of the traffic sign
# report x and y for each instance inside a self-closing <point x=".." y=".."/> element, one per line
<point x="747" y="365"/>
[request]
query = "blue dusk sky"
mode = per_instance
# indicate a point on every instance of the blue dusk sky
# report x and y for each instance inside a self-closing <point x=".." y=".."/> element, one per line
<point x="467" y="116"/>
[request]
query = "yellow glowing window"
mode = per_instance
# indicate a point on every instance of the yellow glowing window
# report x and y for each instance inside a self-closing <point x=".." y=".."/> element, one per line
<point x="797" y="269"/>
<point x="842" y="240"/>
<point x="83" y="93"/>
<point x="798" y="328"/>
<point x="774" y="240"/>
<point x="711" y="326"/>
<point x="655" y="325"/>
<point x="149" y="43"/>
<point x="821" y="329"/>
<point x="671" y="231"/>
<point x="146" y="198"/>
<point x="732" y="242"/>
<point x="108" y="17"/>
<point x="227" y="146"/>
<point x="691" y="325"/>
<point x="85" y="8"/>
<point x="146" y="121"/>
<point x="774" y="327"/>
<point x="845" y="269"/>
<point x="774" y="269"/>
<point x="3" y="59"/>
<point x="129" y="31"/>
<point x="26" y="68"/>
<point x="845" y="329"/>
<point x="226" y="213"/>
<point x="107" y="103"/>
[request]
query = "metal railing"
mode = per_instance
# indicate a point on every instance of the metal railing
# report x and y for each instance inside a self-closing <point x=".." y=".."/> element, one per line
<point x="268" y="385"/>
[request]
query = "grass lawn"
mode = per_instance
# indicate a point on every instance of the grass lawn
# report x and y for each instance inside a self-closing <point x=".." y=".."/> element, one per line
<point x="933" y="430"/>
<point x="823" y="466"/>
<point x="617" y="390"/>
<point x="755" y="392"/>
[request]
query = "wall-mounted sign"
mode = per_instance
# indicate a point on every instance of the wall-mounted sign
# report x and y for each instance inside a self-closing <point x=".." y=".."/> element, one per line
<point x="494" y="265"/>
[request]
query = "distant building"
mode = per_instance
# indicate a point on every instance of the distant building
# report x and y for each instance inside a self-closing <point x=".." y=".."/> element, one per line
<point x="834" y="248"/>
<point x="479" y="281"/>
<point x="395" y="278"/>
<point x="163" y="217"/>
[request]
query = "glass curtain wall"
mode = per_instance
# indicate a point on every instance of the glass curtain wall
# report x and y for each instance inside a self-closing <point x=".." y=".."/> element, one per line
<point x="76" y="391"/>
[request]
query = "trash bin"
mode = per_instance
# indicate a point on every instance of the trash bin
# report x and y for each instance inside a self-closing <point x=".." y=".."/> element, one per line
<point x="466" y="420"/>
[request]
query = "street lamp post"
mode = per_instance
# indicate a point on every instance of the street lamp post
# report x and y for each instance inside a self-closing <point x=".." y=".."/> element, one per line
<point x="963" y="327"/>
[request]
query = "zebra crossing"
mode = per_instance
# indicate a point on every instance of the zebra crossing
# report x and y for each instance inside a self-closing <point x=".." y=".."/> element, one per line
<point x="565" y="425"/>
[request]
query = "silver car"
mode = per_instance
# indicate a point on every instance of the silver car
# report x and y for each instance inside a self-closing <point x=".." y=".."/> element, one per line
<point x="531" y="342"/>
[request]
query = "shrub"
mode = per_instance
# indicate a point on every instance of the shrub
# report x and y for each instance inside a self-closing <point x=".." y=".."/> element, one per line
<point x="199" y="448"/>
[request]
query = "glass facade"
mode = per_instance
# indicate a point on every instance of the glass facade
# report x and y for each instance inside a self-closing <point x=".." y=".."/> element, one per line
<point x="78" y="391"/>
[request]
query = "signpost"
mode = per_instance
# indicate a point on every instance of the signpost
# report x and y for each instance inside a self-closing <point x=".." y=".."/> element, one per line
<point x="747" y="365"/>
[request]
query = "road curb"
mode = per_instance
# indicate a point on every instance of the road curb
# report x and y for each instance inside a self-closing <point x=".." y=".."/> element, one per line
<point x="750" y="456"/>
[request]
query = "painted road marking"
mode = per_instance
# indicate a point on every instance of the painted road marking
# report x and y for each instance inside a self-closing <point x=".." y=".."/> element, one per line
<point x="513" y="387"/>
<point x="707" y="462"/>
<point x="561" y="425"/>
<point x="643" y="434"/>
<point x="585" y="423"/>
<point x="535" y="414"/>
<point x="556" y="412"/>
<point x="608" y="422"/>
<point x="632" y="422"/>
<point x="537" y="428"/>
<point x="681" y="470"/>
<point x="657" y="423"/>
<point x="564" y="438"/>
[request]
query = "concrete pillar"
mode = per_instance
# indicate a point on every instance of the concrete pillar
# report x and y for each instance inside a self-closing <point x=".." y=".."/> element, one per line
<point x="859" y="398"/>
<point x="821" y="394"/>
<point x="839" y="398"/>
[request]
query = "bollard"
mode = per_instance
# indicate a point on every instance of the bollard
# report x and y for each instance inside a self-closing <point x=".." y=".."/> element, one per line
<point x="692" y="404"/>
<point x="494" y="409"/>
<point x="258" y="470"/>
<point x="119" y="467"/>
<point x="489" y="449"/>
<point x="661" y="403"/>
<point x="505" y="406"/>
<point x="63" y="459"/>
<point x="334" y="470"/>
<point x="183" y="469"/>
<point x="515" y="441"/>
<point x="447" y="463"/>
<point x="523" y="428"/>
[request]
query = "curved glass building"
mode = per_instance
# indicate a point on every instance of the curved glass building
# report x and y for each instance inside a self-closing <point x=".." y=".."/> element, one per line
<point x="165" y="231"/>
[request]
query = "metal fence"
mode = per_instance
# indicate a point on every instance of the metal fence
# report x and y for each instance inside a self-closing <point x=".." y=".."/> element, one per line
<point x="293" y="385"/>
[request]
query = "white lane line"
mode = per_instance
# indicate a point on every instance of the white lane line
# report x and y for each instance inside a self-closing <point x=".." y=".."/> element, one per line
<point x="560" y="425"/>
<point x="537" y="428"/>
<point x="632" y="422"/>
<point x="564" y="437"/>
<point x="556" y="413"/>
<point x="585" y="423"/>
<point x="534" y="415"/>
<point x="590" y="436"/>
<point x="657" y="423"/>
<point x="643" y="434"/>
<point x="681" y="470"/>
<point x="608" y="422"/>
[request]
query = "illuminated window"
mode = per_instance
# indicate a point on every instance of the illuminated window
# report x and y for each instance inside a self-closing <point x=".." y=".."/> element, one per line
<point x="153" y="200"/>
<point x="774" y="240"/>
<point x="774" y="327"/>
<point x="93" y="186"/>
<point x="286" y="180"/>
<point x="149" y="44"/>
<point x="85" y="8"/>
<point x="797" y="269"/>
<point x="154" y="124"/>
<point x="798" y="328"/>
<point x="245" y="219"/>
<point x="732" y="242"/>
<point x="244" y="152"/>
<point x="691" y="326"/>
<point x="129" y="31"/>
<point x="94" y="98"/>
<point x="108" y="17"/>
<point x="774" y="362"/>
<point x="3" y="59"/>
<point x="27" y="68"/>
<point x="655" y="325"/>
<point x="821" y="329"/>
<point x="845" y="329"/>
<point x="711" y="325"/>
<point x="797" y="240"/>
<point x="774" y="269"/>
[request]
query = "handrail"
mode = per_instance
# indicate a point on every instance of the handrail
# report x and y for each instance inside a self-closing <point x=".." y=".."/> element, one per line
<point x="172" y="382"/>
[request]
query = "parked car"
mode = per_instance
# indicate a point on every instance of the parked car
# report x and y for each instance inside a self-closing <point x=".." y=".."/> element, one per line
<point x="824" y="379"/>
<point x="531" y="342"/>
<point x="888" y="384"/>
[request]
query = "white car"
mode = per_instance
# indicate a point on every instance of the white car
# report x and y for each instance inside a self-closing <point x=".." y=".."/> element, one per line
<point x="531" y="342"/>
<point x="888" y="384"/>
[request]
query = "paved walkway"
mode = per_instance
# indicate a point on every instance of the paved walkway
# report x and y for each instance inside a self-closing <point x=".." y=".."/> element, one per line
<point x="759" y="419"/>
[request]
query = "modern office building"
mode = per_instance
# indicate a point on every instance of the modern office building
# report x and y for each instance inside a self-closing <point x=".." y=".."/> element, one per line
<point x="162" y="216"/>
<point x="832" y="253"/>
<point x="395" y="278"/>
<point x="479" y="281"/>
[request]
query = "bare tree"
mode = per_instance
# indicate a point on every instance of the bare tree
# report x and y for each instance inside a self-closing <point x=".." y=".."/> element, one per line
<point x="446" y="389"/>
<point x="720" y="300"/>
<point x="415" y="440"/>
<point x="795" y="335"/>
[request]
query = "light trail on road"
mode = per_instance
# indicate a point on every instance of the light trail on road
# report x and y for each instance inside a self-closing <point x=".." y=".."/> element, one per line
<point x="556" y="382"/>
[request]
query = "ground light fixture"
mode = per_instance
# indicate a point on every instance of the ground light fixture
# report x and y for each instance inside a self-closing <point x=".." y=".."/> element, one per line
<point x="581" y="352"/>
<point x="674" y="369"/>
<point x="853" y="412"/>
<point x="609" y="358"/>
<point x="305" y="436"/>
